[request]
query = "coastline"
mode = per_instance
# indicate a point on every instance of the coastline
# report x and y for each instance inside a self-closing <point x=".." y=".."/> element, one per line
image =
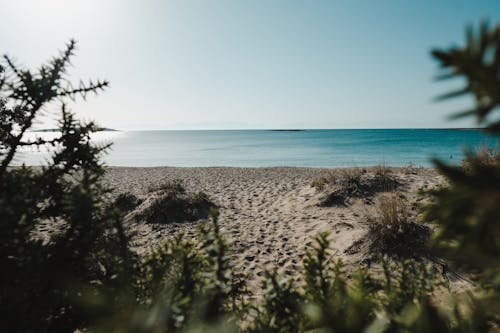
<point x="261" y="148"/>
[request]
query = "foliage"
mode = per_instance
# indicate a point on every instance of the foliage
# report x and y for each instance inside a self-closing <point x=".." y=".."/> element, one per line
<point x="186" y="285"/>
<point x="334" y="300"/>
<point x="467" y="211"/>
<point x="331" y="301"/>
<point x="478" y="63"/>
<point x="46" y="282"/>
<point x="280" y="311"/>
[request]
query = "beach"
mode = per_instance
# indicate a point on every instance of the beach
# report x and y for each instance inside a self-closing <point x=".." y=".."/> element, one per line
<point x="271" y="214"/>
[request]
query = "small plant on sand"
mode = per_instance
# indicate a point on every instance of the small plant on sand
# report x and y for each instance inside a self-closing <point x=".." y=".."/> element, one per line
<point x="175" y="186"/>
<point x="384" y="179"/>
<point x="348" y="184"/>
<point x="358" y="183"/>
<point x="170" y="202"/>
<point x="484" y="156"/>
<point x="393" y="230"/>
<point x="410" y="169"/>
<point x="351" y="175"/>
<point x="321" y="183"/>
<point x="126" y="202"/>
<point x="382" y="170"/>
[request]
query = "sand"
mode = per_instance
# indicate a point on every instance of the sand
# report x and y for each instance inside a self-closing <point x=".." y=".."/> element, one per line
<point x="270" y="214"/>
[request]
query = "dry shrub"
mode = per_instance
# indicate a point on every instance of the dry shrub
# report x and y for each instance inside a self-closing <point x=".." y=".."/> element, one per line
<point x="170" y="202"/>
<point x="358" y="183"/>
<point x="126" y="202"/>
<point x="337" y="197"/>
<point x="347" y="185"/>
<point x="384" y="179"/>
<point x="393" y="229"/>
<point x="321" y="183"/>
<point x="410" y="169"/>
<point x="483" y="156"/>
<point x="174" y="186"/>
<point x="382" y="170"/>
<point x="351" y="174"/>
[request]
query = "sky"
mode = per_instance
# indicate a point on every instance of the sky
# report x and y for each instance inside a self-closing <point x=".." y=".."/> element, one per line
<point x="229" y="64"/>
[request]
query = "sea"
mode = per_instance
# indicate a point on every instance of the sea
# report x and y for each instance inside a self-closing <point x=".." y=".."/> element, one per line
<point x="267" y="148"/>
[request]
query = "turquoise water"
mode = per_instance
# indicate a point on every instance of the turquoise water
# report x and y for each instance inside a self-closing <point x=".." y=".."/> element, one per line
<point x="349" y="147"/>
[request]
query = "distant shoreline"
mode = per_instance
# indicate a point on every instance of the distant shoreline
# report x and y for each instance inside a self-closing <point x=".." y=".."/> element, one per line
<point x="50" y="130"/>
<point x="321" y="148"/>
<point x="292" y="129"/>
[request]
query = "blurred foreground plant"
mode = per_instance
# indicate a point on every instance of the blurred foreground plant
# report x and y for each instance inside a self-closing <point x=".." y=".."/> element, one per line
<point x="57" y="242"/>
<point x="468" y="210"/>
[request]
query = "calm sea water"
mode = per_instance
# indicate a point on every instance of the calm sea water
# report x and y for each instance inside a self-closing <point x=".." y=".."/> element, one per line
<point x="348" y="147"/>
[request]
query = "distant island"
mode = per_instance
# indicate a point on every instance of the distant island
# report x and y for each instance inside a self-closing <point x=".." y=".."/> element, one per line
<point x="287" y="130"/>
<point x="99" y="129"/>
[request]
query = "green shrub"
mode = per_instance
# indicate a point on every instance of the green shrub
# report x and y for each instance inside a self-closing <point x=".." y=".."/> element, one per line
<point x="47" y="284"/>
<point x="332" y="301"/>
<point x="467" y="211"/>
<point x="186" y="285"/>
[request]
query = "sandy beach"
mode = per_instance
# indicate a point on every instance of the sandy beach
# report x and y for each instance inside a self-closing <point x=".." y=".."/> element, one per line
<point x="269" y="214"/>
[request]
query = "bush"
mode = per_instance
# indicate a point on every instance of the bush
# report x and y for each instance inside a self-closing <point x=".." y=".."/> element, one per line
<point x="356" y="183"/>
<point x="467" y="211"/>
<point x="170" y="202"/>
<point x="484" y="156"/>
<point x="188" y="283"/>
<point x="384" y="179"/>
<point x="126" y="202"/>
<point x="332" y="299"/>
<point x="47" y="284"/>
<point x="382" y="170"/>
<point x="175" y="186"/>
<point x="393" y="230"/>
<point x="320" y="183"/>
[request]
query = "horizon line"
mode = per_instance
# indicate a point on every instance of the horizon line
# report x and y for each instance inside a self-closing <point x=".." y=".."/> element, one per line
<point x="301" y="129"/>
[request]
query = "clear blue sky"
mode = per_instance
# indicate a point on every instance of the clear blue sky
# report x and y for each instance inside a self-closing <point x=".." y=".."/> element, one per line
<point x="250" y="64"/>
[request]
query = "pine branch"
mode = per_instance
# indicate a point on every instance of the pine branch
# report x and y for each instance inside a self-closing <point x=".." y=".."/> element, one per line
<point x="479" y="63"/>
<point x="83" y="89"/>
